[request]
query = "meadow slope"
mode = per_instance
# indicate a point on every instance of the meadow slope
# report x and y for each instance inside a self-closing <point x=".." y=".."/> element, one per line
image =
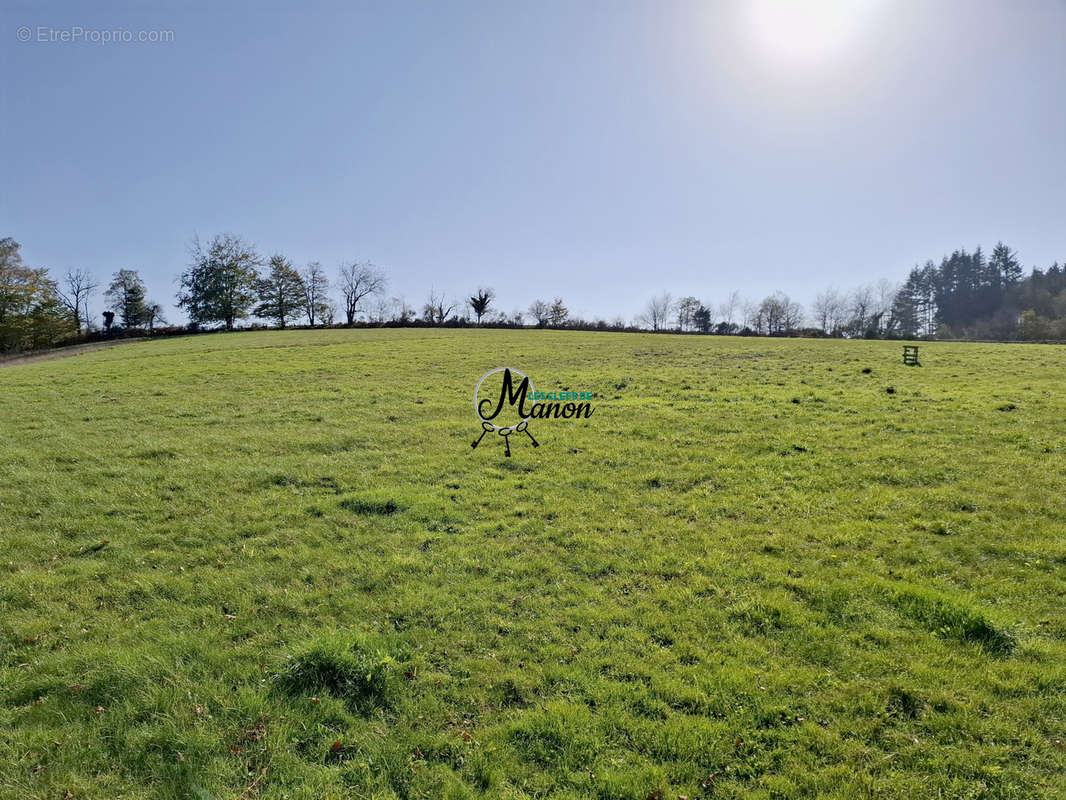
<point x="270" y="565"/>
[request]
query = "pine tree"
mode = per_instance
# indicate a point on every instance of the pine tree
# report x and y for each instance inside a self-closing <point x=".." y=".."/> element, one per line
<point x="905" y="315"/>
<point x="558" y="313"/>
<point x="927" y="299"/>
<point x="702" y="319"/>
<point x="281" y="292"/>
<point x="1006" y="265"/>
<point x="126" y="296"/>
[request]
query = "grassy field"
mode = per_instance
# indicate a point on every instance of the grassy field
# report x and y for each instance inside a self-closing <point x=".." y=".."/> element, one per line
<point x="270" y="565"/>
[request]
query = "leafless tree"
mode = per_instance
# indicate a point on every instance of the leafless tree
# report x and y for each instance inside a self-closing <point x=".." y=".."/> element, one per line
<point x="884" y="294"/>
<point x="401" y="311"/>
<point x="358" y="280"/>
<point x="780" y="314"/>
<point x="754" y="318"/>
<point x="328" y="311"/>
<point x="381" y="310"/>
<point x="437" y="310"/>
<point x="153" y="315"/>
<point x="772" y="311"/>
<point x="541" y="312"/>
<point x="827" y="308"/>
<point x="657" y="311"/>
<point x="860" y="305"/>
<point x="78" y="285"/>
<point x="793" y="314"/>
<point x="728" y="310"/>
<point x="316" y="284"/>
<point x="686" y="312"/>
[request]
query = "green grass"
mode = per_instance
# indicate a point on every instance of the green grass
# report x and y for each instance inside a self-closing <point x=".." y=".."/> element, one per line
<point x="270" y="565"/>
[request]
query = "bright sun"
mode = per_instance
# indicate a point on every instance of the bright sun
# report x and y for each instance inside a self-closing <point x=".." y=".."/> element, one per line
<point x="806" y="30"/>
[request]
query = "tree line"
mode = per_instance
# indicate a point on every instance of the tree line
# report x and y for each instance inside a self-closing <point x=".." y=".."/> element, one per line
<point x="967" y="295"/>
<point x="227" y="281"/>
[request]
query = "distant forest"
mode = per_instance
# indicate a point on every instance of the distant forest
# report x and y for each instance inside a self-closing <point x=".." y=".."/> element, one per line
<point x="971" y="295"/>
<point x="968" y="295"/>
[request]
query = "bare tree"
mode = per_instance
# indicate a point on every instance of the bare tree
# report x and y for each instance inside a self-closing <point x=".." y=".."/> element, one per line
<point x="382" y="309"/>
<point x="754" y="318"/>
<point x="772" y="312"/>
<point x="153" y="315"/>
<point x="329" y="311"/>
<point x="480" y="302"/>
<point x="316" y="285"/>
<point x="358" y="280"/>
<point x="401" y="311"/>
<point x="884" y="295"/>
<point x="728" y="310"/>
<point x="793" y="314"/>
<point x="437" y="309"/>
<point x="779" y="314"/>
<point x="827" y="308"/>
<point x="657" y="311"/>
<point x="686" y="312"/>
<point x="541" y="312"/>
<point x="78" y="285"/>
<point x="860" y="305"/>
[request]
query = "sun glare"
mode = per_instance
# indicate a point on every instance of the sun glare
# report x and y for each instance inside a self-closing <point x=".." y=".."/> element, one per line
<point x="806" y="31"/>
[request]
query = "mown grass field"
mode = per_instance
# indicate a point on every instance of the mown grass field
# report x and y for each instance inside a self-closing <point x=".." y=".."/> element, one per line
<point x="753" y="573"/>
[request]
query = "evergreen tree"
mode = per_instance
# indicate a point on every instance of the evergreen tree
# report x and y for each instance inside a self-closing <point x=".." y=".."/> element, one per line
<point x="558" y="313"/>
<point x="702" y="319"/>
<point x="926" y="299"/>
<point x="905" y="316"/>
<point x="281" y="292"/>
<point x="1005" y="264"/>
<point x="126" y="297"/>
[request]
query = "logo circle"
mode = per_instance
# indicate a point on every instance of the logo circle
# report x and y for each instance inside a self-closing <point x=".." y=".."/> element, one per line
<point x="494" y="426"/>
<point x="23" y="34"/>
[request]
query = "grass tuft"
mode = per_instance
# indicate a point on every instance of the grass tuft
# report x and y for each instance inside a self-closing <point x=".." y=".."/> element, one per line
<point x="370" y="506"/>
<point x="953" y="620"/>
<point x="358" y="671"/>
<point x="903" y="703"/>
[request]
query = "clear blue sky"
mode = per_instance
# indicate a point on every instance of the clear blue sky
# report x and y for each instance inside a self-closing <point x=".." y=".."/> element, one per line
<point x="602" y="150"/>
